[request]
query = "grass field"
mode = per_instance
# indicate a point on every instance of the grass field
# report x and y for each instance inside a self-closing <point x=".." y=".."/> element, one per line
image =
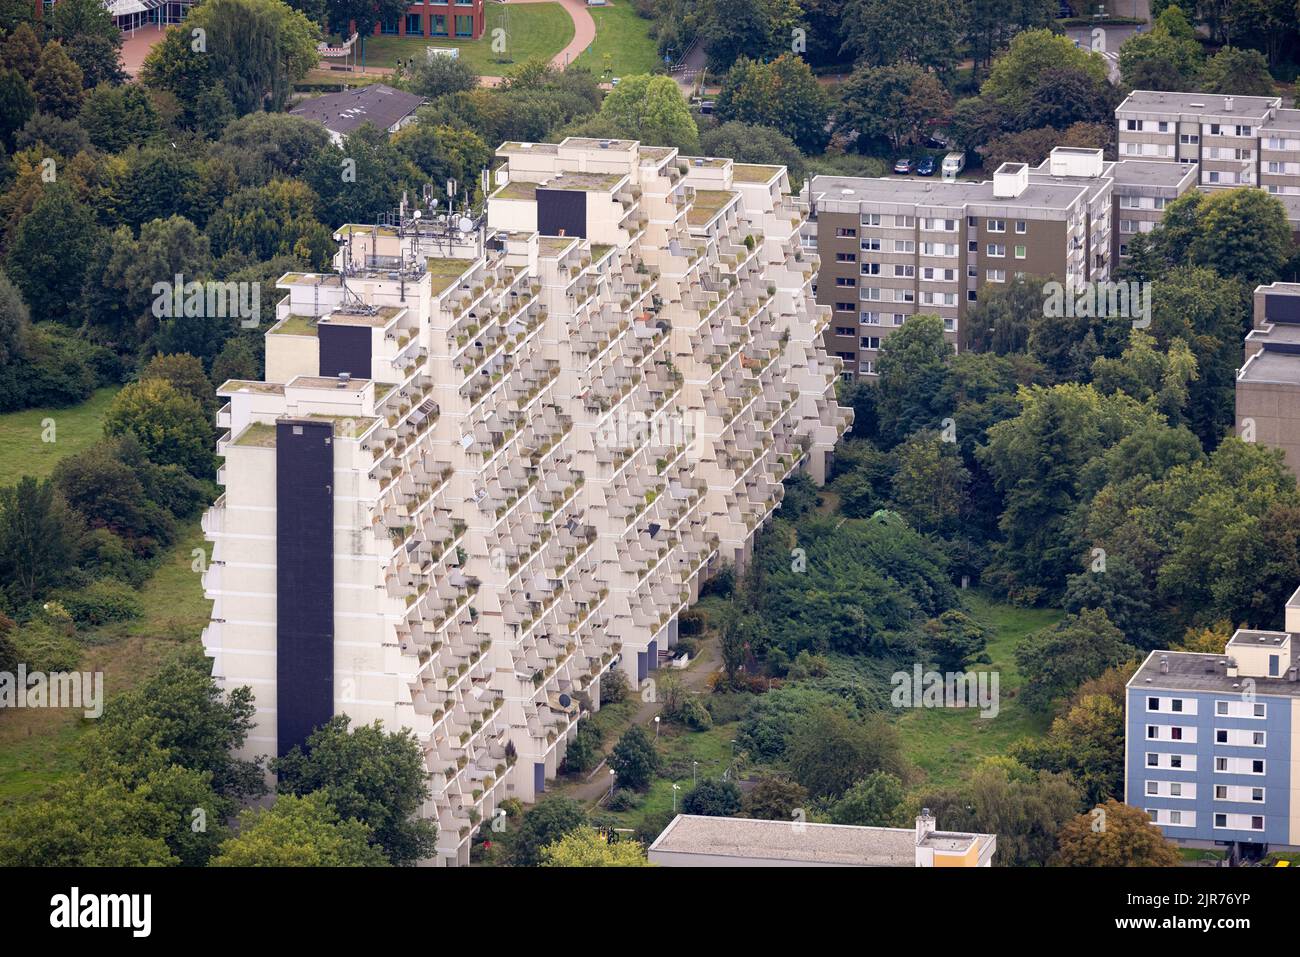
<point x="23" y="450"/>
<point x="945" y="743"/>
<point x="623" y="45"/>
<point x="37" y="747"/>
<point x="533" y="30"/>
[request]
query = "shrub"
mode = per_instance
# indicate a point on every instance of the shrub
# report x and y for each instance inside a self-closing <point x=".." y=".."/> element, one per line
<point x="624" y="800"/>
<point x="712" y="798"/>
<point x="613" y="687"/>
<point x="101" y="602"/>
<point x="43" y="647"/>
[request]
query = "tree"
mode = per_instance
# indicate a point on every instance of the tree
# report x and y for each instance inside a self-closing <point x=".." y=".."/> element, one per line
<point x="21" y="51"/>
<point x="57" y="83"/>
<point x="180" y="717"/>
<point x="774" y="798"/>
<point x="1056" y="660"/>
<point x="1242" y="233"/>
<point x="442" y="152"/>
<point x="264" y="146"/>
<point x="1166" y="57"/>
<point x="102" y="486"/>
<point x="1237" y="72"/>
<point x="829" y="750"/>
<point x="912" y="389"/>
<point x="93" y="41"/>
<point x="17" y="104"/>
<point x="782" y="94"/>
<point x="278" y="219"/>
<point x="185" y="373"/>
<point x="1034" y="146"/>
<point x="896" y="103"/>
<point x="40" y="539"/>
<point x="878" y="800"/>
<point x="88" y="824"/>
<point x="1024" y="808"/>
<point x="955" y="641"/>
<point x="634" y="759"/>
<point x="712" y="798"/>
<point x="586" y="847"/>
<point x="170" y="426"/>
<point x="1121" y="593"/>
<point x="1017" y="77"/>
<point x="760" y="29"/>
<point x="543" y="825"/>
<point x="999" y="320"/>
<point x="364" y="15"/>
<point x="1123" y="837"/>
<point x="116" y="117"/>
<point x="48" y="253"/>
<point x="930" y="483"/>
<point x="927" y="37"/>
<point x="298" y="831"/>
<point x="50" y="134"/>
<point x="1086" y="742"/>
<point x="750" y="143"/>
<point x="438" y="75"/>
<point x="366" y="774"/>
<point x="651" y="109"/>
<point x="355" y="182"/>
<point x="253" y="52"/>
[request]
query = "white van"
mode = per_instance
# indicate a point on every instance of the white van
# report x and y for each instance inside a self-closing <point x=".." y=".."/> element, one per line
<point x="953" y="164"/>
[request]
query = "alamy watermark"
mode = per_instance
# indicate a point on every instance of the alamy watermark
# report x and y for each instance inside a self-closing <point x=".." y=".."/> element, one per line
<point x="1123" y="300"/>
<point x="950" y="689"/>
<point x="55" y="689"/>
<point x="210" y="300"/>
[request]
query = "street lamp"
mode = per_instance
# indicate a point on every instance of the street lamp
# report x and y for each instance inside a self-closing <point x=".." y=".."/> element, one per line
<point x="611" y="782"/>
<point x="694" y="772"/>
<point x="676" y="788"/>
<point x="656" y="727"/>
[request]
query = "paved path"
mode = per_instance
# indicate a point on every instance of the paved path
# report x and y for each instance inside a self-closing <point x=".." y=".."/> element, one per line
<point x="694" y="680"/>
<point x="136" y="46"/>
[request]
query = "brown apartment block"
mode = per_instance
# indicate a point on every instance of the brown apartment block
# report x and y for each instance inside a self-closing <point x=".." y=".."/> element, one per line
<point x="1230" y="140"/>
<point x="892" y="247"/>
<point x="1142" y="191"/>
<point x="1268" y="383"/>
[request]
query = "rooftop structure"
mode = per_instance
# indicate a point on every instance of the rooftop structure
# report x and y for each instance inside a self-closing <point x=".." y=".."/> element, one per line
<point x="377" y="104"/>
<point x="1268" y="383"/>
<point x="696" y="841"/>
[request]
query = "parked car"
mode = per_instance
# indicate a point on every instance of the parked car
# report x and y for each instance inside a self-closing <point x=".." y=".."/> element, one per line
<point x="925" y="167"/>
<point x="936" y="141"/>
<point x="903" y="166"/>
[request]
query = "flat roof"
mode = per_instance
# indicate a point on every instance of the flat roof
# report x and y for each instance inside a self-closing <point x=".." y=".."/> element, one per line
<point x="1283" y="120"/>
<point x="1270" y="366"/>
<point x="1129" y="172"/>
<point x="804" y="843"/>
<point x="1059" y="194"/>
<point x="1156" y="101"/>
<point x="1196" y="671"/>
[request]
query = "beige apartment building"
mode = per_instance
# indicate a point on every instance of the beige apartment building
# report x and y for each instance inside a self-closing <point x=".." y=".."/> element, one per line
<point x="1143" y="188"/>
<point x="1231" y="140"/>
<point x="892" y="247"/>
<point x="494" y="458"/>
<point x="1268" y="383"/>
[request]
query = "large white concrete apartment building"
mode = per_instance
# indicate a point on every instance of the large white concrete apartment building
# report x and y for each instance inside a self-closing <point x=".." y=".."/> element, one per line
<point x="491" y="463"/>
<point x="1231" y="140"/>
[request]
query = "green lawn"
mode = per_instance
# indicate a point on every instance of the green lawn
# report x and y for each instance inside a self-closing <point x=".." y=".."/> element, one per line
<point x="531" y="30"/>
<point x="623" y="45"/>
<point x="945" y="743"/>
<point x="23" y="449"/>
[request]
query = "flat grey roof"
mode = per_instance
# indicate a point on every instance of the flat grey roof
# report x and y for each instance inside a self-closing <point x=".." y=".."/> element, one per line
<point x="802" y="843"/>
<point x="344" y="112"/>
<point x="1189" y="671"/>
<point x="1267" y="366"/>
<point x="1156" y="101"/>
<point x="1284" y="120"/>
<point x="1058" y="194"/>
<point x="1147" y="173"/>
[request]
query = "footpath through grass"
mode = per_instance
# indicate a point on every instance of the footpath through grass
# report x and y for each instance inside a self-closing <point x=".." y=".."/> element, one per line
<point x="531" y="30"/>
<point x="945" y="743"/>
<point x="23" y="449"/>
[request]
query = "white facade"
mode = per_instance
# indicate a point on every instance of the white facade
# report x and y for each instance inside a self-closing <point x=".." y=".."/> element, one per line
<point x="558" y="438"/>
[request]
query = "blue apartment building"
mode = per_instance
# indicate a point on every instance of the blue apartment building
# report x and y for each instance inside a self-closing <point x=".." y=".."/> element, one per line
<point x="1210" y="741"/>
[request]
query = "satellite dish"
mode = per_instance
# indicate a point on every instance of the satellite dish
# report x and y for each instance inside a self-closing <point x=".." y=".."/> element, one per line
<point x="565" y="701"/>
<point x="464" y="224"/>
<point x="416" y="214"/>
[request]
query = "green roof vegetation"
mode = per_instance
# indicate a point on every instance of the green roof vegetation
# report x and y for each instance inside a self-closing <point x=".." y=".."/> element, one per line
<point x="260" y="435"/>
<point x="345" y="426"/>
<point x="706" y="205"/>
<point x="599" y="250"/>
<point x="446" y="271"/>
<point x="753" y="172"/>
<point x="517" y="189"/>
<point x="293" y="325"/>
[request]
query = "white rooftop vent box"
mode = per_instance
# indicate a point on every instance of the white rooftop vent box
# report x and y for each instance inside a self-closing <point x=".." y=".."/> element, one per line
<point x="1075" y="161"/>
<point x="1010" y="180"/>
